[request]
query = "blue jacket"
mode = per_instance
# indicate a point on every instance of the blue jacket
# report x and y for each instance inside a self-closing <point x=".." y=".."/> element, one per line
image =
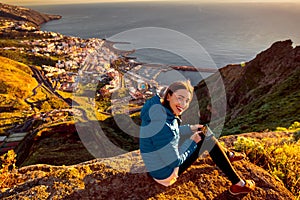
<point x="159" y="139"/>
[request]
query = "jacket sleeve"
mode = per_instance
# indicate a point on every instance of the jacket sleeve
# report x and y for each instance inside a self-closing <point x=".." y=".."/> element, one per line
<point x="167" y="148"/>
<point x="185" y="130"/>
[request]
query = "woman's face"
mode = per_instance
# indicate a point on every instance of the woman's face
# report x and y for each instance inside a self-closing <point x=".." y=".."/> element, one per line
<point x="179" y="101"/>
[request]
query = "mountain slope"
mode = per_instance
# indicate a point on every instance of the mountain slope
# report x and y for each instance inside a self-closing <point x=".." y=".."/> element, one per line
<point x="13" y="92"/>
<point x="12" y="79"/>
<point x="263" y="94"/>
<point x="18" y="13"/>
<point x="20" y="94"/>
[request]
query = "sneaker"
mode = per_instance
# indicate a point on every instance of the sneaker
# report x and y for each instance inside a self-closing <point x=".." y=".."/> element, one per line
<point x="248" y="187"/>
<point x="236" y="156"/>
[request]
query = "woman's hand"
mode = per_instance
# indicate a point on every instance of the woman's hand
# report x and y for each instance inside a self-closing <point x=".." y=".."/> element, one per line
<point x="196" y="137"/>
<point x="195" y="127"/>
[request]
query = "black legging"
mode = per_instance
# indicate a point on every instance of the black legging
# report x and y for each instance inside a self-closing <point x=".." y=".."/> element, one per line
<point x="217" y="153"/>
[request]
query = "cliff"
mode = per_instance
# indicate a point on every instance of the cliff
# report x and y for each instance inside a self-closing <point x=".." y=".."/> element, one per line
<point x="18" y="13"/>
<point x="116" y="178"/>
<point x="264" y="93"/>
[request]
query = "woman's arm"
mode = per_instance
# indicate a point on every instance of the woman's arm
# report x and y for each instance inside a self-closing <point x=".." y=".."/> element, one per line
<point x="168" y="151"/>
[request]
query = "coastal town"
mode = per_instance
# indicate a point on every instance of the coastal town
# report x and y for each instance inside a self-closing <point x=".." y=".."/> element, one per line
<point x="81" y="60"/>
<point x="78" y="63"/>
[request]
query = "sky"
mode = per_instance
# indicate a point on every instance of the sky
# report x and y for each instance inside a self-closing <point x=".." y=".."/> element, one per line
<point x="45" y="2"/>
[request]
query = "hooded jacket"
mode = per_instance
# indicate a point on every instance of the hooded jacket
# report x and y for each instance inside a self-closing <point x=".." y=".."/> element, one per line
<point x="159" y="139"/>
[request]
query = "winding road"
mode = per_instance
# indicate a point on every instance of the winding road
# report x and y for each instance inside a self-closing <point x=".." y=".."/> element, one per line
<point x="47" y="85"/>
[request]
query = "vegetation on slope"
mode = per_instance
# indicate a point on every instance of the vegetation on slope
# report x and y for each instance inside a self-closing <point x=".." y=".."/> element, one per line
<point x="279" y="108"/>
<point x="16" y="97"/>
<point x="13" y="92"/>
<point x="279" y="156"/>
<point x="58" y="144"/>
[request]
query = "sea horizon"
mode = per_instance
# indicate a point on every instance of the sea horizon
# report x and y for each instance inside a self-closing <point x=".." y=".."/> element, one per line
<point x="231" y="33"/>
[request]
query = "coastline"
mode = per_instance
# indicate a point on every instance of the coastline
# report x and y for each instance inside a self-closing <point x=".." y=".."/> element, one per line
<point x="17" y="13"/>
<point x="111" y="45"/>
<point x="110" y="54"/>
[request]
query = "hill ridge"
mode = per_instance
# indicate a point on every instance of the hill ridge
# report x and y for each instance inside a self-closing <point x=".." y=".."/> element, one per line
<point x="19" y="13"/>
<point x="117" y="178"/>
<point x="259" y="89"/>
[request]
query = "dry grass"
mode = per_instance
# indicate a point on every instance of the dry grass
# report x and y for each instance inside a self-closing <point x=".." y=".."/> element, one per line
<point x="16" y="84"/>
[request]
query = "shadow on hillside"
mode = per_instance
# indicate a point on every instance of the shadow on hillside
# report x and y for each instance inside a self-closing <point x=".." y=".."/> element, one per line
<point x="118" y="186"/>
<point x="227" y="196"/>
<point x="106" y="139"/>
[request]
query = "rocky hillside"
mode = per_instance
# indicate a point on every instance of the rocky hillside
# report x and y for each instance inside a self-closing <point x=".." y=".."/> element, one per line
<point x="116" y="178"/>
<point x="262" y="94"/>
<point x="18" y="13"/>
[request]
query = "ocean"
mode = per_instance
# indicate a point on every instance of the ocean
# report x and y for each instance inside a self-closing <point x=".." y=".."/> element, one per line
<point x="229" y="33"/>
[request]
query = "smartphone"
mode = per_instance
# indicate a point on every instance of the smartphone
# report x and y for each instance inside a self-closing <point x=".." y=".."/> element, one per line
<point x="206" y="130"/>
<point x="203" y="129"/>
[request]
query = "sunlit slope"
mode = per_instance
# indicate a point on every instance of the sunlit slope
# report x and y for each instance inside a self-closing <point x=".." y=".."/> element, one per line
<point x="16" y="81"/>
<point x="16" y="84"/>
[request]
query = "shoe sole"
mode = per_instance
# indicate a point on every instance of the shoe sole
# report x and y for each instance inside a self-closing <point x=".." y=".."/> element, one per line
<point x="238" y="193"/>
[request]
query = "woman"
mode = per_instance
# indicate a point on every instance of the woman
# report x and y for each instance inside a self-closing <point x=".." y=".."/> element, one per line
<point x="160" y="131"/>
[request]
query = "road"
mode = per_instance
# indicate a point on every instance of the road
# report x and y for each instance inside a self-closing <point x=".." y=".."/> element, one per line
<point x="47" y="85"/>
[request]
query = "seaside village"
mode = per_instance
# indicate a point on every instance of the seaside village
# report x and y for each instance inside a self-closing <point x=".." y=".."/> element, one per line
<point x="8" y="25"/>
<point x="83" y="61"/>
<point x="86" y="61"/>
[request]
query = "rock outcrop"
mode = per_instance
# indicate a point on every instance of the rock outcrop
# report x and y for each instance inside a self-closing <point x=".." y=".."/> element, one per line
<point x="125" y="177"/>
<point x="260" y="91"/>
<point x="268" y="69"/>
<point x="18" y="13"/>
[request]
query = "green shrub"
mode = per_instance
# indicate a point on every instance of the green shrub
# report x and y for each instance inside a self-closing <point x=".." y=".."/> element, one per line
<point x="295" y="126"/>
<point x="286" y="166"/>
<point x="254" y="150"/>
<point x="281" y="129"/>
<point x="278" y="156"/>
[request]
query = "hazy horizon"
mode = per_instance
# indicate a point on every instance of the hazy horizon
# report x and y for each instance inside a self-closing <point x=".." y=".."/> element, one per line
<point x="55" y="2"/>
